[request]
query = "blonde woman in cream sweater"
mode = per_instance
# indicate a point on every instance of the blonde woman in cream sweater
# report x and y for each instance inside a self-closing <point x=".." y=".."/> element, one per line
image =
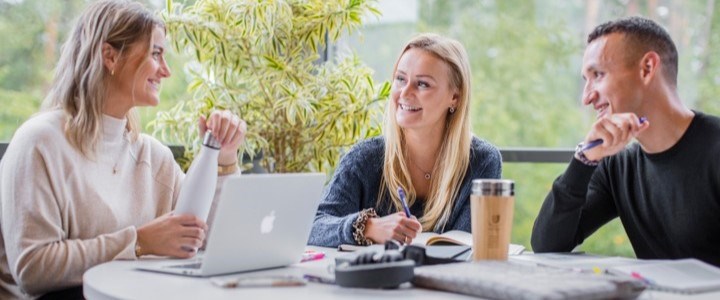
<point x="79" y="184"/>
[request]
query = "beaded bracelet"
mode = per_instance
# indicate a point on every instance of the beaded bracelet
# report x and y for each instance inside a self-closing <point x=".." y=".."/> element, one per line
<point x="359" y="226"/>
<point x="580" y="155"/>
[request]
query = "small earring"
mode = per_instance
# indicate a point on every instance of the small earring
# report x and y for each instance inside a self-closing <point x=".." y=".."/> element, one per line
<point x="112" y="72"/>
<point x="452" y="110"/>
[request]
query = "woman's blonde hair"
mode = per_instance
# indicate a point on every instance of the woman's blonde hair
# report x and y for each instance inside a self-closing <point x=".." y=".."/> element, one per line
<point x="454" y="153"/>
<point x="79" y="87"/>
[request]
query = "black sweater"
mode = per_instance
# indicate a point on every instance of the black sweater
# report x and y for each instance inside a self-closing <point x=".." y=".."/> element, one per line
<point x="669" y="202"/>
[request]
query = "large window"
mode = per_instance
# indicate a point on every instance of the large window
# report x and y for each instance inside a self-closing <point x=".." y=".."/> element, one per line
<point x="525" y="57"/>
<point x="32" y="33"/>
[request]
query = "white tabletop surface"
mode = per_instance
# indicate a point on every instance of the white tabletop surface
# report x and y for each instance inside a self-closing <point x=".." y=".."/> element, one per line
<point x="121" y="280"/>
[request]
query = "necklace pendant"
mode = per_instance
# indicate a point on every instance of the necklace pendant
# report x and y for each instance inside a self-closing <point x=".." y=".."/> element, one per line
<point x="427" y="176"/>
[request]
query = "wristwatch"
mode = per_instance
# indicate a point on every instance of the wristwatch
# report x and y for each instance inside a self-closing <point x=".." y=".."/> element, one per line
<point x="580" y="155"/>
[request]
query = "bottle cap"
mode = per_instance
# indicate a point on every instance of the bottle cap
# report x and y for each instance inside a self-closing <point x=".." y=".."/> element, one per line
<point x="493" y="187"/>
<point x="210" y="141"/>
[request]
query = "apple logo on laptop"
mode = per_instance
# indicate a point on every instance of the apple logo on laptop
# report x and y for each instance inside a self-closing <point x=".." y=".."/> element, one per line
<point x="267" y="223"/>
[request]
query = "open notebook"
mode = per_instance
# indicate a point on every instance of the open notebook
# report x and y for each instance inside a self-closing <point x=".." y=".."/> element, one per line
<point x="452" y="237"/>
<point x="679" y="276"/>
<point x="456" y="237"/>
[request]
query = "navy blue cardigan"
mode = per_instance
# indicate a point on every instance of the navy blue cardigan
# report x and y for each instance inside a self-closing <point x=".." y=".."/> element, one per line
<point x="356" y="183"/>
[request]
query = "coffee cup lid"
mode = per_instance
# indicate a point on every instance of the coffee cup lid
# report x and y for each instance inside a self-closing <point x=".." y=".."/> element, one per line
<point x="493" y="187"/>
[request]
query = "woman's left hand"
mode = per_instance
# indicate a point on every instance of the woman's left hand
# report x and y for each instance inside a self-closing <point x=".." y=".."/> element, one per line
<point x="229" y="130"/>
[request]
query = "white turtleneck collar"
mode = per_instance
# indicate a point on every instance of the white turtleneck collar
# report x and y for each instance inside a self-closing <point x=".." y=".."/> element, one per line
<point x="113" y="129"/>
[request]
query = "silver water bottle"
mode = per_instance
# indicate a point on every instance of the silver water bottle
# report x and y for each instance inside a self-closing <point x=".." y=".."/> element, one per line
<point x="198" y="188"/>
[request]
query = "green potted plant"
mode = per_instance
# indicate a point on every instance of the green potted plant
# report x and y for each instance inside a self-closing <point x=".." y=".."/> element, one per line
<point x="260" y="59"/>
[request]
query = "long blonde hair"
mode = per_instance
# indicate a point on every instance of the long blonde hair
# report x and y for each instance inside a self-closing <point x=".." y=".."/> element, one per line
<point x="454" y="153"/>
<point x="80" y="83"/>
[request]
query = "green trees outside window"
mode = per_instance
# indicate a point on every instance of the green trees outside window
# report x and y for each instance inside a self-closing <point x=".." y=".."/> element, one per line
<point x="525" y="57"/>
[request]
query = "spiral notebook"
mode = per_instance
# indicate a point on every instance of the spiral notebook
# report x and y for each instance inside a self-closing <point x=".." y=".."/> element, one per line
<point x="679" y="276"/>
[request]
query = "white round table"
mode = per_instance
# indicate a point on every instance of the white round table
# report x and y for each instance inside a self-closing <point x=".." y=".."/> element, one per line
<point x="121" y="280"/>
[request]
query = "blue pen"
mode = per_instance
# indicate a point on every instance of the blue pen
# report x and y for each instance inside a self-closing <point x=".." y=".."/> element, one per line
<point x="401" y="193"/>
<point x="598" y="142"/>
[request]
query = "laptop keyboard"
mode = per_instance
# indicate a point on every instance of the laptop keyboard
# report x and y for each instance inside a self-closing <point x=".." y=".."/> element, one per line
<point x="187" y="266"/>
<point x="509" y="280"/>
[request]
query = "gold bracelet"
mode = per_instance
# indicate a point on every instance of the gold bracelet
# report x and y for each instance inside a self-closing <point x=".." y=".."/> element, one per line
<point x="227" y="169"/>
<point x="138" y="250"/>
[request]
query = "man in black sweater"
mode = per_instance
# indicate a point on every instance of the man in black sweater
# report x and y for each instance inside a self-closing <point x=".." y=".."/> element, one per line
<point x="666" y="187"/>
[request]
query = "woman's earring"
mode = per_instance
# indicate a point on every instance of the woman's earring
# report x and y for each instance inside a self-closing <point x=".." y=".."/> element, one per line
<point x="112" y="72"/>
<point x="452" y="110"/>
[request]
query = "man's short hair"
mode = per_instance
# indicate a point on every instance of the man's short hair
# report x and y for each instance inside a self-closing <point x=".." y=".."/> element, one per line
<point x="641" y="36"/>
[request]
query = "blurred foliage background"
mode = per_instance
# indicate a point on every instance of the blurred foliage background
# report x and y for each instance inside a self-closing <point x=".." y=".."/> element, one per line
<point x="264" y="61"/>
<point x="525" y="56"/>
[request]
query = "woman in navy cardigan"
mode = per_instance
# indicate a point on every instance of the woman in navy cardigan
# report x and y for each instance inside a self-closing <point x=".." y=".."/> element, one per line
<point x="426" y="149"/>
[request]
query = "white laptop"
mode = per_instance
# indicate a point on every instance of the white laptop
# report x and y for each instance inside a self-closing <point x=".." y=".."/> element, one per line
<point x="261" y="222"/>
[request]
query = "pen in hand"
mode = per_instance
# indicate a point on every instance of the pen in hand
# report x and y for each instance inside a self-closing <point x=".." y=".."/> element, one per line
<point x="401" y="194"/>
<point x="599" y="142"/>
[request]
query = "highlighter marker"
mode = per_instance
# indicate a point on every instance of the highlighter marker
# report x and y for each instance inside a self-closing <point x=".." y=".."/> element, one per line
<point x="401" y="194"/>
<point x="637" y="275"/>
<point x="312" y="255"/>
<point x="598" y="142"/>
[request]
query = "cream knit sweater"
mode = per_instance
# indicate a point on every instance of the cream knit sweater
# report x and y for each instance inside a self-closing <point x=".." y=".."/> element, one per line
<point x="62" y="213"/>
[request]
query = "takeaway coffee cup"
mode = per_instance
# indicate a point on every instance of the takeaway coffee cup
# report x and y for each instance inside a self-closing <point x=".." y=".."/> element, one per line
<point x="491" y="207"/>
